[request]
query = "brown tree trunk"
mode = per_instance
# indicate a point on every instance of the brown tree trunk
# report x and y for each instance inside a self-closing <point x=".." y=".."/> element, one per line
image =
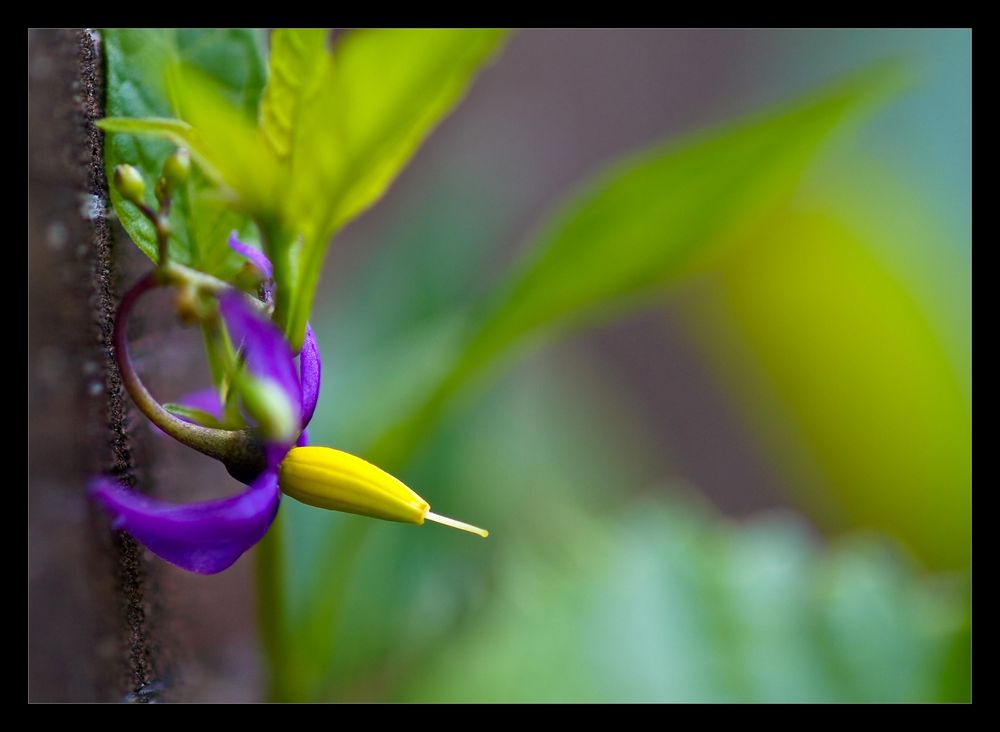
<point x="91" y="630"/>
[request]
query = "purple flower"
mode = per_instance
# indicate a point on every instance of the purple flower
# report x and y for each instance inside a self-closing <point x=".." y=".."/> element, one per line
<point x="209" y="537"/>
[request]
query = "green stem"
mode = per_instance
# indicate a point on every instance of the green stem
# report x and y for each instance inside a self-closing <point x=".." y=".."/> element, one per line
<point x="272" y="612"/>
<point x="222" y="360"/>
<point x="217" y="363"/>
<point x="272" y="609"/>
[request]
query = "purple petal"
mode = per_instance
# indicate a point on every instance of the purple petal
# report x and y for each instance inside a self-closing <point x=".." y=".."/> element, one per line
<point x="303" y="440"/>
<point x="201" y="537"/>
<point x="267" y="354"/>
<point x="253" y="254"/>
<point x="310" y="369"/>
<point x="207" y="400"/>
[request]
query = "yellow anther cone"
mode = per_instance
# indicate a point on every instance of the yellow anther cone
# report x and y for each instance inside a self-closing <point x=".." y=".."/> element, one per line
<point x="339" y="481"/>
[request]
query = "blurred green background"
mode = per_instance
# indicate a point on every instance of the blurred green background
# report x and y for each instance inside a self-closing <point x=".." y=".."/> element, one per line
<point x="754" y="485"/>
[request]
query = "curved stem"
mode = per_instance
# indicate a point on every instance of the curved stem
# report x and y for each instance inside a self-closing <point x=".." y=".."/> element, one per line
<point x="240" y="450"/>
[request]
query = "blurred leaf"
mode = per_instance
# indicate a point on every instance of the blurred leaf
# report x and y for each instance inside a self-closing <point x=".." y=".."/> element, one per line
<point x="642" y="226"/>
<point x="296" y="55"/>
<point x="674" y="608"/>
<point x="175" y="130"/>
<point x="137" y="88"/>
<point x="229" y="139"/>
<point x="867" y="364"/>
<point x="369" y="105"/>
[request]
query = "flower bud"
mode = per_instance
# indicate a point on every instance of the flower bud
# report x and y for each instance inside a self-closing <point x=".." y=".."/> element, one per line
<point x="328" y="478"/>
<point x="277" y="418"/>
<point x="177" y="168"/>
<point x="130" y="184"/>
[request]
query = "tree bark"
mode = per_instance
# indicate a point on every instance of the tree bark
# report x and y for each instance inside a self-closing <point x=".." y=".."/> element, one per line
<point x="91" y="634"/>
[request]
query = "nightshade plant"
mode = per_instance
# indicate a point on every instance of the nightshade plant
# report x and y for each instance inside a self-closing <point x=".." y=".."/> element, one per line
<point x="268" y="178"/>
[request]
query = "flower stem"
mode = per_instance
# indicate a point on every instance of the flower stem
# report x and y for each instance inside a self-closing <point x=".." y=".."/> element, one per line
<point x="271" y="610"/>
<point x="239" y="450"/>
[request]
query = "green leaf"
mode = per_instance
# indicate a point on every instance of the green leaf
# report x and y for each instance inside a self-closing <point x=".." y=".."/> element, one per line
<point x="649" y="220"/>
<point x="175" y="130"/>
<point x="360" y="118"/>
<point x="296" y="56"/>
<point x="198" y="416"/>
<point x="142" y="106"/>
<point x="643" y="226"/>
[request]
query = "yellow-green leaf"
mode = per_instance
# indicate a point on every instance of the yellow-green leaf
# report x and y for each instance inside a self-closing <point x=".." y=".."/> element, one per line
<point x="371" y="103"/>
<point x="651" y="220"/>
<point x="231" y="140"/>
<point x="296" y="55"/>
<point x="871" y="373"/>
